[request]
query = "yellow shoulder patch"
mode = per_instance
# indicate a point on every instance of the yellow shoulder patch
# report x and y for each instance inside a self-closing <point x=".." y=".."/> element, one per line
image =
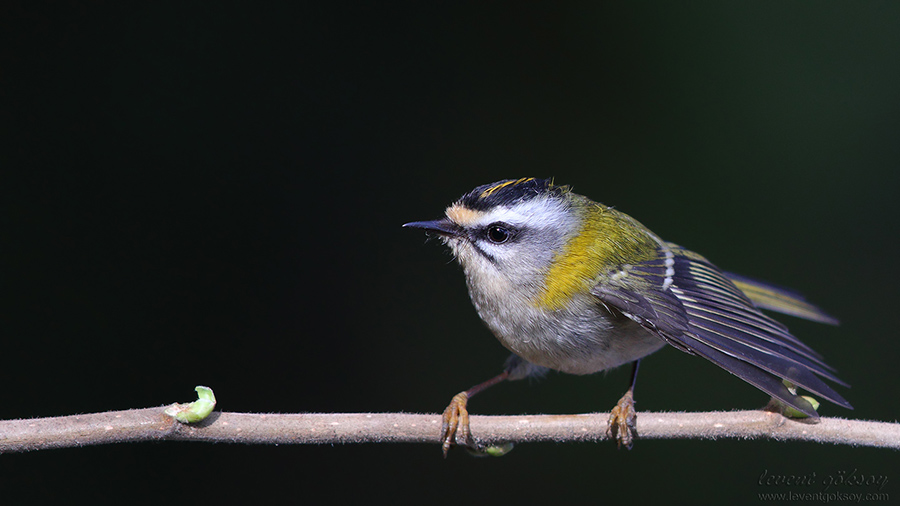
<point x="573" y="270"/>
<point x="609" y="240"/>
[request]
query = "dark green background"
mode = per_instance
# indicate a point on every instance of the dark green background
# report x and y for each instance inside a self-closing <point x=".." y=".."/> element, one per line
<point x="225" y="179"/>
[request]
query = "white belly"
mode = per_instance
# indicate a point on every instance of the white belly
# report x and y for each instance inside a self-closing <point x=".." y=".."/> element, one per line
<point x="582" y="340"/>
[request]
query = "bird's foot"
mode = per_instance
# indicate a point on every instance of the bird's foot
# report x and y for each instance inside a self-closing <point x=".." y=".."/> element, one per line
<point x="623" y="422"/>
<point x="455" y="428"/>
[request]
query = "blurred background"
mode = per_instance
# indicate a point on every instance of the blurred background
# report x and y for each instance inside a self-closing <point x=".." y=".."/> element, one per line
<point x="229" y="180"/>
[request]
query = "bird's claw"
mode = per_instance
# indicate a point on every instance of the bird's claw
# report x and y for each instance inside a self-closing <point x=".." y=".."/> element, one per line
<point x="455" y="428"/>
<point x="623" y="422"/>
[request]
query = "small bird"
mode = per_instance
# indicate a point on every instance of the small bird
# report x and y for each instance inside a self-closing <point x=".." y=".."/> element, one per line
<point x="569" y="284"/>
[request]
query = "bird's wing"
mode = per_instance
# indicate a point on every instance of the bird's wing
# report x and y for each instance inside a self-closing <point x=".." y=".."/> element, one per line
<point x="776" y="298"/>
<point x="693" y="306"/>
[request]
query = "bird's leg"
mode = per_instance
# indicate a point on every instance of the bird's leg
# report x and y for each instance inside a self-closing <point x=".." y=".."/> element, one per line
<point x="455" y="428"/>
<point x="623" y="419"/>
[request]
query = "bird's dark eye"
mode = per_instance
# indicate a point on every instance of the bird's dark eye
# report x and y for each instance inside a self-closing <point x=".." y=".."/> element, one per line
<point x="498" y="234"/>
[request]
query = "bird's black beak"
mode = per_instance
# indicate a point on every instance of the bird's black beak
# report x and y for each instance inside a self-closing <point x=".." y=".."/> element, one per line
<point x="442" y="226"/>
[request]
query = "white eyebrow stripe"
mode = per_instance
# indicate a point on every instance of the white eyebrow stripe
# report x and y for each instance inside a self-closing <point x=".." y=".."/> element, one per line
<point x="504" y="214"/>
<point x="535" y="213"/>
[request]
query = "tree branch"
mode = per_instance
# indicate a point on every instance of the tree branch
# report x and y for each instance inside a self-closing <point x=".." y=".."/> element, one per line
<point x="152" y="424"/>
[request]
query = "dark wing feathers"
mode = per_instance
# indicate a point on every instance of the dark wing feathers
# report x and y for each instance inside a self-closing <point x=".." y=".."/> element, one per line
<point x="768" y="383"/>
<point x="722" y="318"/>
<point x="693" y="306"/>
